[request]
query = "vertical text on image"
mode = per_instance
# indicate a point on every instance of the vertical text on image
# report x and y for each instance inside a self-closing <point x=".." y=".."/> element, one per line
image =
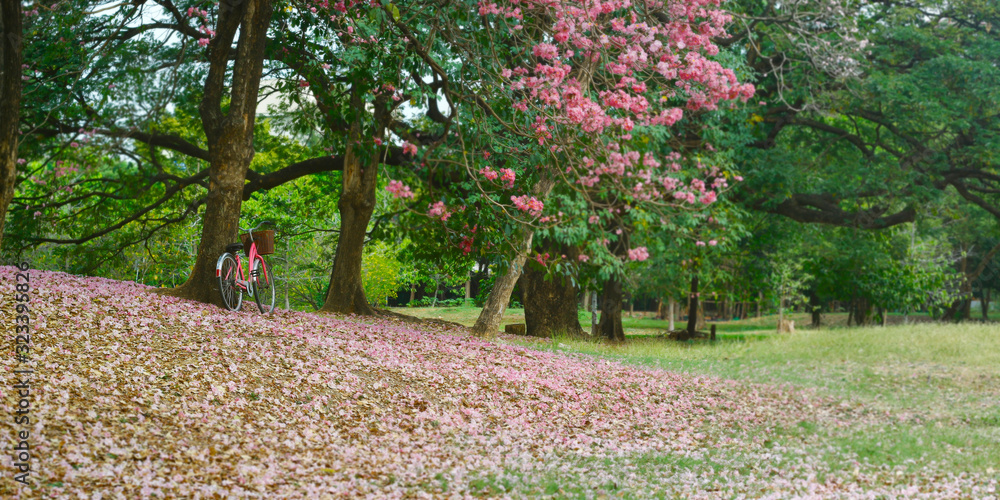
<point x="22" y="373"/>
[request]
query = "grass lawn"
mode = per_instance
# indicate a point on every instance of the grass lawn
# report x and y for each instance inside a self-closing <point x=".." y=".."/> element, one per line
<point x="938" y="385"/>
<point x="923" y="393"/>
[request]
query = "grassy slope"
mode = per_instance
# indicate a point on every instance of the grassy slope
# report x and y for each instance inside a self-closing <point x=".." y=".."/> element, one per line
<point x="137" y="395"/>
<point x="940" y="383"/>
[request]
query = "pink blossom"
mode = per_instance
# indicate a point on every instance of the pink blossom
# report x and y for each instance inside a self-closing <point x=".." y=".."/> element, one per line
<point x="507" y="176"/>
<point x="438" y="211"/>
<point x="398" y="189"/>
<point x="545" y="51"/>
<point x="638" y="254"/>
<point x="410" y="149"/>
<point x="583" y="258"/>
<point x="712" y="243"/>
<point x="489" y="173"/>
<point x="531" y="205"/>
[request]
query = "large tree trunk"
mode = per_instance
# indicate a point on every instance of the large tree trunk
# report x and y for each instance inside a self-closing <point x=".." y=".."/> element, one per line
<point x="816" y="308"/>
<point x="610" y="325"/>
<point x="550" y="306"/>
<point x="230" y="136"/>
<point x="862" y="312"/>
<point x="488" y="322"/>
<point x="346" y="294"/>
<point x="692" y="325"/>
<point x="11" y="56"/>
<point x="985" y="304"/>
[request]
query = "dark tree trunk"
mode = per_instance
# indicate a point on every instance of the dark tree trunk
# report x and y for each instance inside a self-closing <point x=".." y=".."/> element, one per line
<point x="550" y="306"/>
<point x="346" y="294"/>
<point x="612" y="295"/>
<point x="610" y="325"/>
<point x="816" y="308"/>
<point x="692" y="325"/>
<point x="985" y="304"/>
<point x="11" y="57"/>
<point x="230" y="136"/>
<point x="862" y="312"/>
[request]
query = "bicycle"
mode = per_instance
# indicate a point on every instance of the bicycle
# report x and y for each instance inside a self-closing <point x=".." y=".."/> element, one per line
<point x="259" y="282"/>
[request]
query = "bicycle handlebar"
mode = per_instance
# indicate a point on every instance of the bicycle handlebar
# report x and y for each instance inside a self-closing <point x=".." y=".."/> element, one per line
<point x="251" y="230"/>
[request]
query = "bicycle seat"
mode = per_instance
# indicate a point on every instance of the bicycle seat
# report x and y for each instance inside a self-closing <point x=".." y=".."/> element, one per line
<point x="234" y="247"/>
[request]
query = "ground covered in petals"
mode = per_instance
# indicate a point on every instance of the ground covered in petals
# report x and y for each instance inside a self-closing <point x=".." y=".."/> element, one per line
<point x="137" y="395"/>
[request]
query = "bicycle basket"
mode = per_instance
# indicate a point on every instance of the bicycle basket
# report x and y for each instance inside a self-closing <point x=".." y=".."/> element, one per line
<point x="264" y="240"/>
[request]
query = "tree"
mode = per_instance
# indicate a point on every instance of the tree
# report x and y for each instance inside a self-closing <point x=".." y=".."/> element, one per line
<point x="789" y="282"/>
<point x="229" y="133"/>
<point x="11" y="57"/>
<point x="550" y="293"/>
<point x="592" y="109"/>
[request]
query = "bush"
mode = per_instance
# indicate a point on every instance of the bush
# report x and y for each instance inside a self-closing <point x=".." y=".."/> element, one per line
<point x="380" y="273"/>
<point x="429" y="302"/>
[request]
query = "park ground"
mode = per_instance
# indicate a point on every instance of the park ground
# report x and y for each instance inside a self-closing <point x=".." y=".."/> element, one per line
<point x="143" y="396"/>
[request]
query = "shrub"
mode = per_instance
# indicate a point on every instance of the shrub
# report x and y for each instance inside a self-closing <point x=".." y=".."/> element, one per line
<point x="380" y="273"/>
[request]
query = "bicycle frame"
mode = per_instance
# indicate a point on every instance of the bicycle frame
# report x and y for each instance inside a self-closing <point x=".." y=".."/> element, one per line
<point x="241" y="278"/>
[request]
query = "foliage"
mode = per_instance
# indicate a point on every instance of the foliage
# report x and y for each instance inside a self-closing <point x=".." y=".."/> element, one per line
<point x="380" y="273"/>
<point x="789" y="280"/>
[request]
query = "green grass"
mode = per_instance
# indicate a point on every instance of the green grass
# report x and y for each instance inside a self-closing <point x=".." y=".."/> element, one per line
<point x="938" y="384"/>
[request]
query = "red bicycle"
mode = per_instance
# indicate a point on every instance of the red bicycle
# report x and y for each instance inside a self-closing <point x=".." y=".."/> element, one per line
<point x="259" y="282"/>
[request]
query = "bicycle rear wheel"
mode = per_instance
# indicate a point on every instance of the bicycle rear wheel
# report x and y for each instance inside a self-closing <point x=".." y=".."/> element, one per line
<point x="264" y="286"/>
<point x="227" y="270"/>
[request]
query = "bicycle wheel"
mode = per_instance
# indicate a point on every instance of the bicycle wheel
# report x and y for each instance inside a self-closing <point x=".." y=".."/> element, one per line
<point x="226" y="270"/>
<point x="263" y="285"/>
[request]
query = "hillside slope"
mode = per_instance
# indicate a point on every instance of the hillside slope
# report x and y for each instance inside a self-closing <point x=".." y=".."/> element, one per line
<point x="138" y="395"/>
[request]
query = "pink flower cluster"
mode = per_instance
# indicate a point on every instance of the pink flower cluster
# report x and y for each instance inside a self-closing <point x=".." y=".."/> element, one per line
<point x="398" y="189"/>
<point x="638" y="254"/>
<point x="507" y="177"/>
<point x="438" y="210"/>
<point x="525" y="204"/>
<point x="410" y="149"/>
<point x="489" y="173"/>
<point x="591" y="123"/>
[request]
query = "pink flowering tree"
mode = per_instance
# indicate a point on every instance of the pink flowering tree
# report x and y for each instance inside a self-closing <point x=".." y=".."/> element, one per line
<point x="581" y="120"/>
